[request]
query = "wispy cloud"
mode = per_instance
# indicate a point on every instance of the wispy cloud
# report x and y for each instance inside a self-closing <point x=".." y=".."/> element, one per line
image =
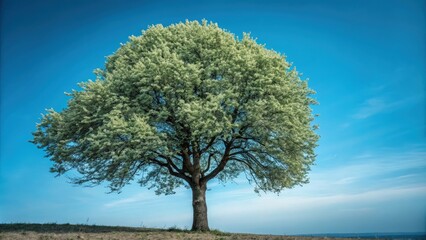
<point x="385" y="163"/>
<point x="374" y="106"/>
<point x="275" y="203"/>
<point x="380" y="168"/>
<point x="146" y="197"/>
<point x="296" y="213"/>
<point x="371" y="107"/>
<point x="133" y="199"/>
<point x="377" y="105"/>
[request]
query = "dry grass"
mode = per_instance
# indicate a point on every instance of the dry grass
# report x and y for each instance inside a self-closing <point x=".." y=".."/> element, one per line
<point x="78" y="232"/>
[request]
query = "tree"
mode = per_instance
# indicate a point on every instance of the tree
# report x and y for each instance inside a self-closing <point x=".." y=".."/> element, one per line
<point x="182" y="105"/>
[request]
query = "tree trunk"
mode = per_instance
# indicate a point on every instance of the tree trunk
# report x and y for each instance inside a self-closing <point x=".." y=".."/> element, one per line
<point x="200" y="222"/>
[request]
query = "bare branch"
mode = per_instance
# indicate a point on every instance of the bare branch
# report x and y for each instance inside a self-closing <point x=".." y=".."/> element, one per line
<point x="222" y="163"/>
<point x="249" y="155"/>
<point x="211" y="142"/>
<point x="251" y="171"/>
<point x="208" y="164"/>
<point x="171" y="171"/>
<point x="169" y="161"/>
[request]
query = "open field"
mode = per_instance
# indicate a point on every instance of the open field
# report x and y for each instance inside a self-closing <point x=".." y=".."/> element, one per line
<point x="68" y="232"/>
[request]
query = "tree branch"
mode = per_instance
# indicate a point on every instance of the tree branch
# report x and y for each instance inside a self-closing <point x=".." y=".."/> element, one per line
<point x="250" y="156"/>
<point x="208" y="164"/>
<point x="251" y="170"/>
<point x="186" y="164"/>
<point x="172" y="164"/>
<point x="211" y="142"/>
<point x="171" y="171"/>
<point x="221" y="165"/>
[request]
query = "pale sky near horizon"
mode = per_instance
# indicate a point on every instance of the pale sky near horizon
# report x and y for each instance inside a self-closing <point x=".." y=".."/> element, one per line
<point x="365" y="59"/>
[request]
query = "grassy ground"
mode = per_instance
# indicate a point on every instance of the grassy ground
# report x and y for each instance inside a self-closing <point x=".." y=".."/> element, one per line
<point x="68" y="232"/>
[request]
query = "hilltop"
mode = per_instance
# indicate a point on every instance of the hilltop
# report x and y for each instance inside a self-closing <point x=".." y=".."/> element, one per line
<point x="95" y="232"/>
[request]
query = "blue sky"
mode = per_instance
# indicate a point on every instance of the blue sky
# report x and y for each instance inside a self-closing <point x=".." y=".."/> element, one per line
<point x="365" y="59"/>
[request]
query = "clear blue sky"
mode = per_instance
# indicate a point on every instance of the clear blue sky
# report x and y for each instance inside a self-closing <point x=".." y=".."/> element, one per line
<point x="365" y="59"/>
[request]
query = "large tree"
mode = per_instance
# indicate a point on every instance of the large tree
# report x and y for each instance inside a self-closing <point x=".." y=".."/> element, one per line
<point x="182" y="105"/>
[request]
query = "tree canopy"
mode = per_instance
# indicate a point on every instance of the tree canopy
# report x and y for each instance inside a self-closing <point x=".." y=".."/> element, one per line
<point x="184" y="104"/>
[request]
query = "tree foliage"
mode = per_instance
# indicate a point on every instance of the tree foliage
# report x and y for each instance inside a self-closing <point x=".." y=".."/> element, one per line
<point x="184" y="104"/>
